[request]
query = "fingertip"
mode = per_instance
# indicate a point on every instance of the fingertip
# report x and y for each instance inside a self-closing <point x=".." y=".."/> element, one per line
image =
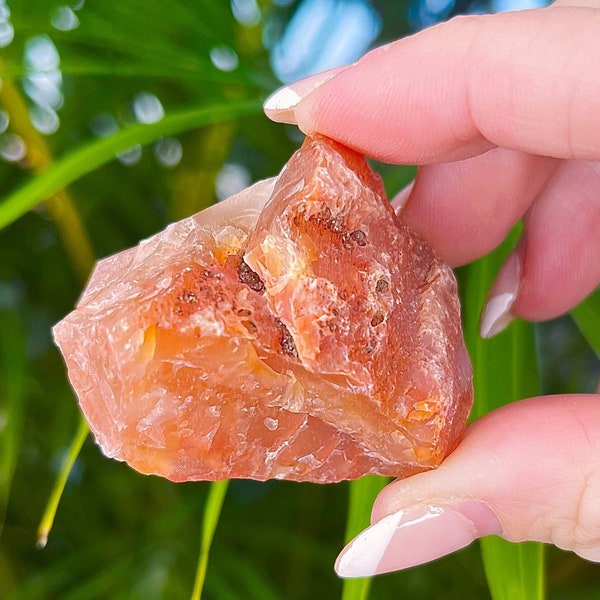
<point x="507" y="462"/>
<point x="560" y="246"/>
<point x="429" y="97"/>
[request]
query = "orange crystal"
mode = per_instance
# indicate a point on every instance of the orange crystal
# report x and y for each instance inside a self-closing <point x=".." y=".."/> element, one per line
<point x="312" y="338"/>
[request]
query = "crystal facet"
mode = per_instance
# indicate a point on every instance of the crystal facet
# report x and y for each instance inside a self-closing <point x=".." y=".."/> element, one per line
<point x="297" y="331"/>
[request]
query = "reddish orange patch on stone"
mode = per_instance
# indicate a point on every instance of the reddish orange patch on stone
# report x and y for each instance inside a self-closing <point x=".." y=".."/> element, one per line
<point x="314" y="338"/>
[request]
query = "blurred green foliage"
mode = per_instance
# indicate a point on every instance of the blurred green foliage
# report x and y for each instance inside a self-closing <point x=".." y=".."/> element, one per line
<point x="119" y="534"/>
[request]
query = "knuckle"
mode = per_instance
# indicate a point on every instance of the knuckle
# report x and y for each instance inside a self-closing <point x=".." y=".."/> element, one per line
<point x="586" y="518"/>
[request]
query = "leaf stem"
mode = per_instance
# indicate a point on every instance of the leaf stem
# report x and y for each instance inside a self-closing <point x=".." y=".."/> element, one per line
<point x="212" y="511"/>
<point x="362" y="494"/>
<point x="59" y="485"/>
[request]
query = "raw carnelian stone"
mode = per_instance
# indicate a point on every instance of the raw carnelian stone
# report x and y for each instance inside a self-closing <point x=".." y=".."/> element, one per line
<point x="297" y="332"/>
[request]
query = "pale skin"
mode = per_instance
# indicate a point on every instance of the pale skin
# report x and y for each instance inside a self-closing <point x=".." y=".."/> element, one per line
<point x="502" y="113"/>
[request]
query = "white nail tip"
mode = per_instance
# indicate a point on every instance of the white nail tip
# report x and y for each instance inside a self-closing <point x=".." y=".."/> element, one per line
<point x="283" y="99"/>
<point x="363" y="555"/>
<point x="496" y="314"/>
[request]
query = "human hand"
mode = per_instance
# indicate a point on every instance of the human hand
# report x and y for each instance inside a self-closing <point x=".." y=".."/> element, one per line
<point x="501" y="111"/>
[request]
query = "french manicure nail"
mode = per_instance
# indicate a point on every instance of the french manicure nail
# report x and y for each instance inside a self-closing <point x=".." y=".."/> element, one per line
<point x="280" y="105"/>
<point x="414" y="536"/>
<point x="401" y="198"/>
<point x="496" y="315"/>
<point x="283" y="99"/>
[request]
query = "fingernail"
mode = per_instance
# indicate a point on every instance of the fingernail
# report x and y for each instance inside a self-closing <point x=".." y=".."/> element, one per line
<point x="400" y="199"/>
<point x="279" y="106"/>
<point x="283" y="99"/>
<point x="414" y="536"/>
<point x="496" y="315"/>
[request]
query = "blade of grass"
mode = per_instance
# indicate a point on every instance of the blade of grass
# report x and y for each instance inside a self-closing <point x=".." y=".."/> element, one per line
<point x="91" y="156"/>
<point x="12" y="385"/>
<point x="99" y="30"/>
<point x="362" y="494"/>
<point x="60" y="205"/>
<point x="212" y="512"/>
<point x="505" y="369"/>
<point x="508" y="569"/>
<point x="141" y="70"/>
<point x="587" y="317"/>
<point x="516" y="571"/>
<point x="60" y="483"/>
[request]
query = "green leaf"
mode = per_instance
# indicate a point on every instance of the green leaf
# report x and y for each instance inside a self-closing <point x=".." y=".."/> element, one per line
<point x="505" y="369"/>
<point x="84" y="160"/>
<point x="212" y="512"/>
<point x="587" y="317"/>
<point x="514" y="571"/>
<point x="362" y="493"/>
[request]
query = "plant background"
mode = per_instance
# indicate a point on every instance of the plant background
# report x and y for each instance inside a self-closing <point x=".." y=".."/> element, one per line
<point x="80" y="127"/>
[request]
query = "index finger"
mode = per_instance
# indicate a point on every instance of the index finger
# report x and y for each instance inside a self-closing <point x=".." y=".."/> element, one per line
<point x="523" y="81"/>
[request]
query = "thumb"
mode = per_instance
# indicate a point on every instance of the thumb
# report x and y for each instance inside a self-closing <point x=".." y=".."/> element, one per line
<point x="527" y="471"/>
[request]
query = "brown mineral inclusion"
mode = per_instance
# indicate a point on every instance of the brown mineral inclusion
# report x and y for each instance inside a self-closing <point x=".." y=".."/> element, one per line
<point x="312" y="338"/>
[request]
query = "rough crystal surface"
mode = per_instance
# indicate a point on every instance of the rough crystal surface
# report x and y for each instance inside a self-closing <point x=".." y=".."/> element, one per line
<point x="297" y="332"/>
